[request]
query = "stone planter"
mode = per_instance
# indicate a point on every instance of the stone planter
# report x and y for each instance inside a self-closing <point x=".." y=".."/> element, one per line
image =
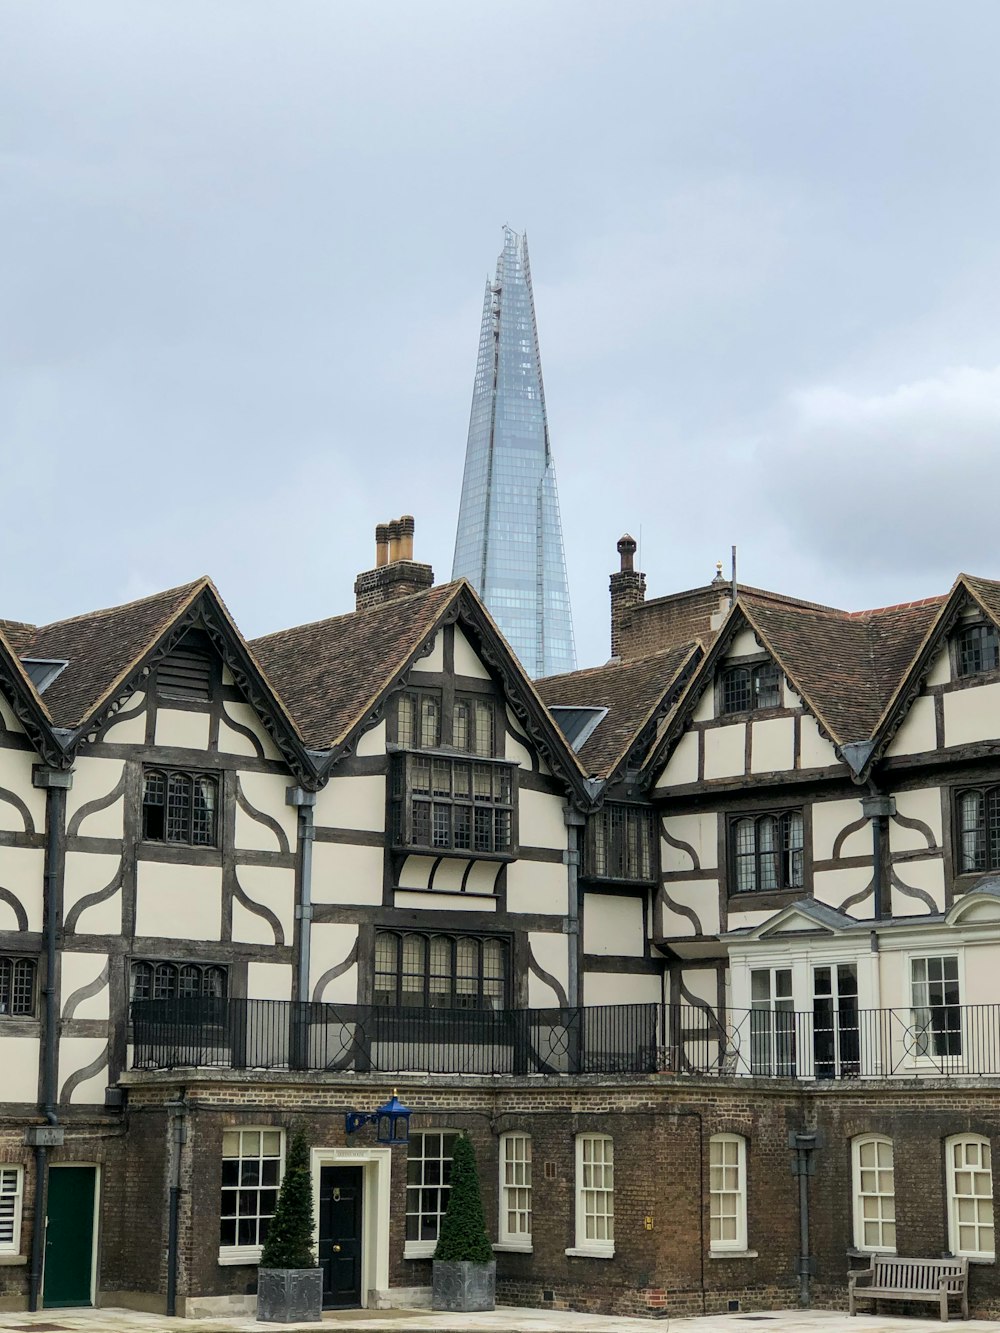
<point x="290" y="1295"/>
<point x="463" y="1286"/>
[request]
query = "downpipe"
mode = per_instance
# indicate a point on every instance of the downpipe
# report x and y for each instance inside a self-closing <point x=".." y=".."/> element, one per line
<point x="178" y="1137"/>
<point x="804" y="1143"/>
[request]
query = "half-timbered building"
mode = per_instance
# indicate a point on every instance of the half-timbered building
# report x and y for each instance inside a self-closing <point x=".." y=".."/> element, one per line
<point x="652" y="934"/>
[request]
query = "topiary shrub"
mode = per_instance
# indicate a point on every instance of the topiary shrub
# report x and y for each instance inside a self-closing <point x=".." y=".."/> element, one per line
<point x="463" y="1235"/>
<point x="289" y="1241"/>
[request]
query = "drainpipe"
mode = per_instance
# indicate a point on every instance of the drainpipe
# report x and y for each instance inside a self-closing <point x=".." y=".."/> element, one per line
<point x="55" y="782"/>
<point x="804" y="1142"/>
<point x="575" y="822"/>
<point x="879" y="809"/>
<point x="177" y="1110"/>
<point x="305" y="802"/>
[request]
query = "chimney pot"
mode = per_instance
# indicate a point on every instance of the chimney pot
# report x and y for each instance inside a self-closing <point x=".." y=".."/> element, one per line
<point x="393" y="541"/>
<point x="626" y="549"/>
<point x="381" y="545"/>
<point x="406" y="527"/>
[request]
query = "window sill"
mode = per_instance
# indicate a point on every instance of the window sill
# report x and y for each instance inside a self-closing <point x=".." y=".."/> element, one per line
<point x="465" y="853"/>
<point x="579" y="1252"/>
<point x="513" y="1247"/>
<point x="419" y="1249"/>
<point x="12" y="1260"/>
<point x="733" y="1254"/>
<point x="984" y="1260"/>
<point x="247" y="1254"/>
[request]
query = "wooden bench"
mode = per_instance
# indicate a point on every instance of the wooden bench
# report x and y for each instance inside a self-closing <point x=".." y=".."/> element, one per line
<point x="892" y="1279"/>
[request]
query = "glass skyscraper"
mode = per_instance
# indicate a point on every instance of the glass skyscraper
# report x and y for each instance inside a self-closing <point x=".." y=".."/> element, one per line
<point x="509" y="543"/>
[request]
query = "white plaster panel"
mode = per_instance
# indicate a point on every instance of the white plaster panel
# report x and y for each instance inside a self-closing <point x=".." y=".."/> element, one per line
<point x="972" y="715"/>
<point x="372" y="743"/>
<point x="700" y="832"/>
<point x="701" y="983"/>
<point x="725" y="751"/>
<point x="551" y="953"/>
<point x="613" y="924"/>
<point x="269" y="981"/>
<point x="19" y="1060"/>
<point x="541" y="822"/>
<point x="923" y="804"/>
<point x="516" y="749"/>
<point x="179" y="901"/>
<point x="15" y="775"/>
<point x="747" y="920"/>
<point x="80" y="970"/>
<point x="182" y="728"/>
<point x="343" y="873"/>
<point x="448" y="876"/>
<point x="829" y="818"/>
<point x="536" y="886"/>
<point x="332" y="943"/>
<point x="227" y="676"/>
<point x="894" y="977"/>
<point x="836" y="886"/>
<point x="917" y="734"/>
<point x="621" y="988"/>
<point x="698" y="896"/>
<point x="483" y="876"/>
<point x="129" y="730"/>
<point x="266" y="793"/>
<point x="434" y="661"/>
<point x="704" y="709"/>
<point x="746" y="644"/>
<point x="940" y="672"/>
<point x="273" y="887"/>
<point x="467" y="661"/>
<point x="773" y="745"/>
<point x="443" y="902"/>
<point x="789" y="699"/>
<point x="815" y="751"/>
<point x="356" y="802"/>
<point x="10" y="722"/>
<point x="92" y="780"/>
<point x="21" y="872"/>
<point x="926" y="875"/>
<point x="982" y="966"/>
<point x="415" y="872"/>
<point x="76" y="1053"/>
<point x="230" y="740"/>
<point x="682" y="766"/>
<point x="87" y="873"/>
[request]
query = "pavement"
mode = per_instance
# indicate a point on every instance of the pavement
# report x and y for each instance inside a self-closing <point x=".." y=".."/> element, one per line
<point x="504" y="1320"/>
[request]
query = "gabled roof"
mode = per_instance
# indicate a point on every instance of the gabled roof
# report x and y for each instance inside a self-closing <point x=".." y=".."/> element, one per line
<point x="633" y="693"/>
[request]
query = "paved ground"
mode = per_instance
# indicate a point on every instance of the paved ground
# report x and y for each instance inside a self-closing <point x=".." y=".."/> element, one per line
<point x="506" y="1320"/>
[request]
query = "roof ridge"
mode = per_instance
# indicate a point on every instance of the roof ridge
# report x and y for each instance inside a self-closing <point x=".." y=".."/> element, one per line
<point x="361" y="611"/>
<point x="618" y="663"/>
<point x="202" y="580"/>
<point x="935" y="600"/>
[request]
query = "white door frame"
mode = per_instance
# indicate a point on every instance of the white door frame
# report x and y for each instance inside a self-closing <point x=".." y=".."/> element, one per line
<point x="376" y="1170"/>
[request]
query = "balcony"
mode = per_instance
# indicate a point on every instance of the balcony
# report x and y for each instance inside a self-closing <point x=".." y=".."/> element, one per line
<point x="948" y="1041"/>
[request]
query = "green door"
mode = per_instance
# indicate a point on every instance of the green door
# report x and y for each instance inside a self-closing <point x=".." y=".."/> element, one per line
<point x="69" y="1236"/>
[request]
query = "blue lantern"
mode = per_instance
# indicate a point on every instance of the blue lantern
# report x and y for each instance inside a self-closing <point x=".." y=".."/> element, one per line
<point x="392" y="1121"/>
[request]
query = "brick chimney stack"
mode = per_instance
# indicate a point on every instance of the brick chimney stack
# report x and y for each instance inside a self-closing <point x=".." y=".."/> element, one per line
<point x="628" y="589"/>
<point x="396" y="573"/>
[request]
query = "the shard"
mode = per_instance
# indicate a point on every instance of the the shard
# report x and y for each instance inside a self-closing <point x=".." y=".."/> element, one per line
<point x="509" y="543"/>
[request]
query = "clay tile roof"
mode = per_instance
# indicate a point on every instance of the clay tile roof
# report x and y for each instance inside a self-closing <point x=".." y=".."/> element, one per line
<point x="988" y="592"/>
<point x="847" y="665"/>
<point x="100" y="647"/>
<point x="18" y="635"/>
<point x="630" y="691"/>
<point x="331" y="672"/>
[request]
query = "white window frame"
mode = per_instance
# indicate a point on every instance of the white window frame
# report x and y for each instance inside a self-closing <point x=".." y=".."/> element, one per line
<point x="590" y="1247"/>
<point x="515" y="1190"/>
<point x="739" y="1243"/>
<point x="12" y="1186"/>
<point x="249" y="1254"/>
<point x="860" y="1195"/>
<point x="424" y="1249"/>
<point x="929" y="1059"/>
<point x="954" y="1198"/>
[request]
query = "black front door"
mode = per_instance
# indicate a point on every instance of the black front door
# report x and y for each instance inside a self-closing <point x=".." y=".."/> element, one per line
<point x="340" y="1234"/>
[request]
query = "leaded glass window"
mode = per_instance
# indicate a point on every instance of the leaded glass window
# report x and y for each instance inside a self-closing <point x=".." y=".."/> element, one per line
<point x="977" y="650"/>
<point x="766" y="852"/>
<point x="445" y="804"/>
<point x="17" y="987"/>
<point x="744" y="689"/>
<point x="621" y="843"/>
<point x="436" y="971"/>
<point x="978" y="811"/>
<point x="180" y="806"/>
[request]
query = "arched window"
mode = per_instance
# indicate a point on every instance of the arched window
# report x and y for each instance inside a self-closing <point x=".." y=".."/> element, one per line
<point x="969" y="1171"/>
<point x="440" y="971"/>
<point x="179" y="807"/>
<point x="17" y="987"/>
<point x="727" y="1191"/>
<point x="874" y="1194"/>
<point x="766" y="852"/>
<point x="978" y="817"/>
<point x="152" y="980"/>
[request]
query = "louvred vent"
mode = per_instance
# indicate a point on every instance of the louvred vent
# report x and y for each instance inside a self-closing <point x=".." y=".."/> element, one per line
<point x="185" y="675"/>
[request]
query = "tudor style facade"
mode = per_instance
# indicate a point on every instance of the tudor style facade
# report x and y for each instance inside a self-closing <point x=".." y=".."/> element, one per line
<point x="627" y="928"/>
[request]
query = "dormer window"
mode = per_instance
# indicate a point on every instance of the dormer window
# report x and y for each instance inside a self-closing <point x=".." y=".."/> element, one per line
<point x="977" y="649"/>
<point x="746" y="689"/>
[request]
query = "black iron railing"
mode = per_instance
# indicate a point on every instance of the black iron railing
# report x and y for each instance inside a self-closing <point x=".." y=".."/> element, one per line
<point x="844" y="1043"/>
<point x="278" y="1034"/>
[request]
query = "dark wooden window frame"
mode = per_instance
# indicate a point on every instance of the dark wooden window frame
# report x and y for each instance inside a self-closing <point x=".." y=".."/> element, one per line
<point x="414" y="830"/>
<point x="755" y="667"/>
<point x="959" y="654"/>
<point x="447" y="700"/>
<point x="988" y="827"/>
<point x="176" y="971"/>
<point x="607" y="851"/>
<point x="803" y="888"/>
<point x="156" y="827"/>
<point x="429" y="997"/>
<point x="18" y="986"/>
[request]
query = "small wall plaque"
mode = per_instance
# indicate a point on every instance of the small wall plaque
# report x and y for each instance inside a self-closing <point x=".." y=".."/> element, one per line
<point x="44" y="1136"/>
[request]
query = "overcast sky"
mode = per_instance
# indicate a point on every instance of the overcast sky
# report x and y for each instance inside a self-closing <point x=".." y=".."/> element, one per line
<point x="244" y="244"/>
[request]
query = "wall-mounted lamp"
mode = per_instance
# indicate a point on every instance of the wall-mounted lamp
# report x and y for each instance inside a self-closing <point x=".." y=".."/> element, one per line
<point x="392" y="1121"/>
